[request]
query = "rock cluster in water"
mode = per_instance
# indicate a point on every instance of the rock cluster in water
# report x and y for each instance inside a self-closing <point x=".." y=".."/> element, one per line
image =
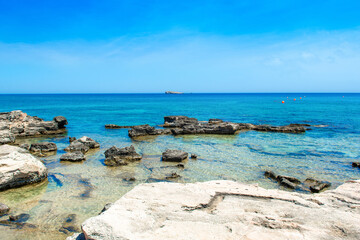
<point x="314" y="185"/>
<point x="181" y="125"/>
<point x="18" y="167"/>
<point x="227" y="210"/>
<point x="115" y="156"/>
<point x="19" y="124"/>
<point x="83" y="144"/>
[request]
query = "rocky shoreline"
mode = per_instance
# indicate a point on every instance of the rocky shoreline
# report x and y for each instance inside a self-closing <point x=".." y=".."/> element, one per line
<point x="17" y="124"/>
<point x="226" y="210"/>
<point x="167" y="210"/>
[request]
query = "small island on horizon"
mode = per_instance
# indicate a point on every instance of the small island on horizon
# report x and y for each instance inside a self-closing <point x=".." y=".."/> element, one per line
<point x="172" y="92"/>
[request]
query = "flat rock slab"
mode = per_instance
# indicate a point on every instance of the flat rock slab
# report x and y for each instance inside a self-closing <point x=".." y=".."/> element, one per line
<point x="18" y="167"/>
<point x="73" y="156"/>
<point x="228" y="210"/>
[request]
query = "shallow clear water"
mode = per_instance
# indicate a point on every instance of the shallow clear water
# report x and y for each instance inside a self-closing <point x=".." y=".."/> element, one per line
<point x="84" y="188"/>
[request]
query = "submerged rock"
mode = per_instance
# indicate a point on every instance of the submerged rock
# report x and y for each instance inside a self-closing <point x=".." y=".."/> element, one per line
<point x="171" y="155"/>
<point x="18" y="124"/>
<point x="73" y="156"/>
<point x="193" y="156"/>
<point x="114" y="126"/>
<point x="83" y="144"/>
<point x="70" y="225"/>
<point x="19" y="218"/>
<point x="4" y="209"/>
<point x="115" y="156"/>
<point x="356" y="164"/>
<point x="228" y="210"/>
<point x="43" y="147"/>
<point x="18" y="167"/>
<point x="316" y="185"/>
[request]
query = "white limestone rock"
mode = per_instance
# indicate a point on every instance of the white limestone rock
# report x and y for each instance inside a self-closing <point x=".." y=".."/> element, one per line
<point x="228" y="210"/>
<point x="18" y="167"/>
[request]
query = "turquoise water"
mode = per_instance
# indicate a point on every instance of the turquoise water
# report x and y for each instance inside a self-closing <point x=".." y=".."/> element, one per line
<point x="325" y="153"/>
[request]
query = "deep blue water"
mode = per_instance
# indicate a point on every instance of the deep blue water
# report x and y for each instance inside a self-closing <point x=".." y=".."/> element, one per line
<point x="324" y="152"/>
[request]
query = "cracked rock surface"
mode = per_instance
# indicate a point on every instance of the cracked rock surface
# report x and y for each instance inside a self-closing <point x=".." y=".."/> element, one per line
<point x="228" y="210"/>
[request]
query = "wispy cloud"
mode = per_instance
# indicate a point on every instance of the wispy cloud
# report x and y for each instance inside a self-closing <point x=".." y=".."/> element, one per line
<point x="187" y="61"/>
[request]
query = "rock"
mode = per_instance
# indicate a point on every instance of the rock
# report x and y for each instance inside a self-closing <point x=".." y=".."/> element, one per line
<point x="18" y="167"/>
<point x="215" y="121"/>
<point x="181" y="125"/>
<point x="25" y="146"/>
<point x="18" y="124"/>
<point x="356" y="164"/>
<point x="114" y="126"/>
<point x="4" y="209"/>
<point x="77" y="147"/>
<point x="178" y="121"/>
<point x="194" y="156"/>
<point x="73" y="156"/>
<point x="69" y="225"/>
<point x="228" y="210"/>
<point x="271" y="175"/>
<point x="291" y="179"/>
<point x="171" y="155"/>
<point x="19" y="218"/>
<point x="146" y="130"/>
<point x="76" y="236"/>
<point x="121" y="156"/>
<point x="315" y="185"/>
<point x="83" y="144"/>
<point x="43" y="147"/>
<point x="286" y="183"/>
<point x="106" y="207"/>
<point x="61" y="121"/>
<point x="6" y="137"/>
<point x="172" y="176"/>
<point x="71" y="139"/>
<point x="180" y="165"/>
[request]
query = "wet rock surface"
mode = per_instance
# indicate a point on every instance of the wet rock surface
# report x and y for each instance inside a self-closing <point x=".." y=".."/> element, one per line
<point x="310" y="184"/>
<point x="83" y="144"/>
<point x="73" y="156"/>
<point x="43" y="147"/>
<point x="18" y="167"/>
<point x="4" y="209"/>
<point x="182" y="125"/>
<point x="146" y="130"/>
<point x="115" y="156"/>
<point x="228" y="210"/>
<point x="18" y="124"/>
<point x="172" y="155"/>
<point x="114" y="126"/>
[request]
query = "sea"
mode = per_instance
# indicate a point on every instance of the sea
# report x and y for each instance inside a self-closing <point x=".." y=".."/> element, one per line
<point x="78" y="191"/>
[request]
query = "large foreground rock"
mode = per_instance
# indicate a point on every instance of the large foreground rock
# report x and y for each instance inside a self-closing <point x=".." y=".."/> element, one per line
<point x="228" y="210"/>
<point x="18" y="167"/>
<point x="19" y="124"/>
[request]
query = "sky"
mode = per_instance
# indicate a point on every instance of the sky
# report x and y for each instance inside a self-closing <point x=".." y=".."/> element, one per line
<point x="152" y="46"/>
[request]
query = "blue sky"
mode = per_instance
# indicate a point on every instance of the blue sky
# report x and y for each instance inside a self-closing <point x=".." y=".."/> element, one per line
<point x="192" y="46"/>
